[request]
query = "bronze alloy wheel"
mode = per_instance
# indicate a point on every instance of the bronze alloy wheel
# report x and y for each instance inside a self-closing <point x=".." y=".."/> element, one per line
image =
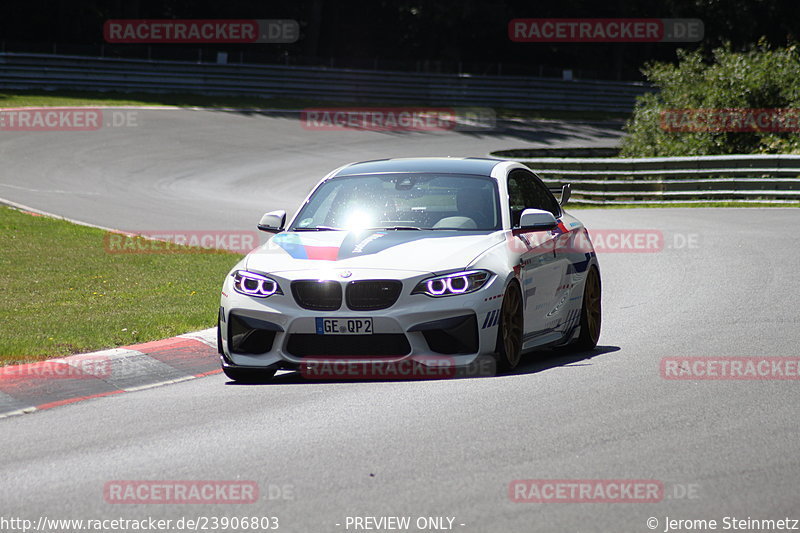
<point x="591" y="312"/>
<point x="509" y="334"/>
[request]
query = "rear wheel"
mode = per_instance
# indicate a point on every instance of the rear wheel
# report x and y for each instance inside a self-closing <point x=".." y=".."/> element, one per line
<point x="509" y="332"/>
<point x="591" y="313"/>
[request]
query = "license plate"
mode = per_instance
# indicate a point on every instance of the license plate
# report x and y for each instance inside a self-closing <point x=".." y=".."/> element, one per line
<point x="344" y="326"/>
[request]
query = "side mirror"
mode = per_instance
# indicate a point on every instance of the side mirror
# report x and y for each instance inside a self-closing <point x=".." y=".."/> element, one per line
<point x="273" y="221"/>
<point x="537" y="219"/>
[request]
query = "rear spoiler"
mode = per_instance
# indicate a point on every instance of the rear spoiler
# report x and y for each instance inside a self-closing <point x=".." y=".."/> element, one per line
<point x="565" y="191"/>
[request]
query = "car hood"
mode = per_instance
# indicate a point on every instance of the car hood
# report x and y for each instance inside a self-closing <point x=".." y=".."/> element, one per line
<point x="423" y="251"/>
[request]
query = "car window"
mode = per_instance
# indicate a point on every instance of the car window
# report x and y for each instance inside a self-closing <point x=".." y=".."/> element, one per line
<point x="526" y="191"/>
<point x="424" y="201"/>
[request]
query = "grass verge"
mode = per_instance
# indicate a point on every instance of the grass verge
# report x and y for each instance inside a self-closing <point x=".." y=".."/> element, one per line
<point x="87" y="98"/>
<point x="64" y="293"/>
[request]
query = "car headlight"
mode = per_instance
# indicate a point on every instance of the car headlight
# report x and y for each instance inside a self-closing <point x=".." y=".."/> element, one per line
<point x="452" y="284"/>
<point x="252" y="284"/>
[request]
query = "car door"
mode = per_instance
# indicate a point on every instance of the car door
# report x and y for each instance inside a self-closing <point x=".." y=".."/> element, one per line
<point x="542" y="266"/>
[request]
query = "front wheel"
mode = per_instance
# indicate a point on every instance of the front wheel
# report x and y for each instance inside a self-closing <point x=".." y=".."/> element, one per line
<point x="509" y="332"/>
<point x="591" y="313"/>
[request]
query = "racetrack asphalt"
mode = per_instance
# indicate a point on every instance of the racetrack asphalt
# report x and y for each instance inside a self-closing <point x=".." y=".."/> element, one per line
<point x="201" y="170"/>
<point x="723" y="284"/>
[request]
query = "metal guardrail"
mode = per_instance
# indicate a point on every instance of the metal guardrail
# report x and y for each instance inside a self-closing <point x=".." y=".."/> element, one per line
<point x="738" y="178"/>
<point x="40" y="71"/>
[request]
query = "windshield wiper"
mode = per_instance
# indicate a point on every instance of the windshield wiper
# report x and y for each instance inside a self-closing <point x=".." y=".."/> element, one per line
<point x="317" y="228"/>
<point x="398" y="228"/>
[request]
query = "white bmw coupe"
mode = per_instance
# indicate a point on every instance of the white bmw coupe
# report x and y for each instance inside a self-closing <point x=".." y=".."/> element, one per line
<point x="403" y="260"/>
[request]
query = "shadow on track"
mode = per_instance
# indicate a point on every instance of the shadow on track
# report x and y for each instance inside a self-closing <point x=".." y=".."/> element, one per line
<point x="545" y="360"/>
<point x="544" y="131"/>
<point x="532" y="363"/>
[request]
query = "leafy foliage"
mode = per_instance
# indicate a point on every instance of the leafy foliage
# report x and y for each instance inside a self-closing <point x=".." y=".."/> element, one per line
<point x="759" y="78"/>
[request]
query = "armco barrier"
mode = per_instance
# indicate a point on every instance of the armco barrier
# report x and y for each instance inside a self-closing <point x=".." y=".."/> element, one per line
<point x="739" y="178"/>
<point x="40" y="71"/>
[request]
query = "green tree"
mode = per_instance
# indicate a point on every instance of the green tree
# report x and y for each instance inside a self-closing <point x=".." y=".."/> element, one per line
<point x="758" y="78"/>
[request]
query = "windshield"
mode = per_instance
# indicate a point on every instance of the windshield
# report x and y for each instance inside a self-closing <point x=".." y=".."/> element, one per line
<point x="402" y="202"/>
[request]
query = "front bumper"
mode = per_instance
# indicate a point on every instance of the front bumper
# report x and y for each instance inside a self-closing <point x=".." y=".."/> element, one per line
<point x="276" y="332"/>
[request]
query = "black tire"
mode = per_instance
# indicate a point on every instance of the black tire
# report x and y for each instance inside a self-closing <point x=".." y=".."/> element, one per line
<point x="249" y="375"/>
<point x="509" y="330"/>
<point x="591" y="313"/>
